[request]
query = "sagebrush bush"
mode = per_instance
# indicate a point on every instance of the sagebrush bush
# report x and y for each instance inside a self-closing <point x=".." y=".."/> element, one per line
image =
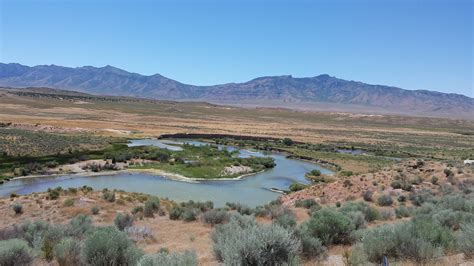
<point x="387" y="214"/>
<point x="190" y="214"/>
<point x="152" y="205"/>
<point x="215" y="216"/>
<point x="51" y="237"/>
<point x="123" y="221"/>
<point x="15" y="252"/>
<point x="402" y="211"/>
<point x="385" y="200"/>
<point x="31" y="230"/>
<point x="95" y="210"/>
<point x="357" y="219"/>
<point x="176" y="212"/>
<point x="305" y="203"/>
<point x="79" y="225"/>
<point x="367" y="195"/>
<point x="418" y="240"/>
<point x="186" y="258"/>
<point x="244" y="242"/>
<point x="370" y="213"/>
<point x="108" y="195"/>
<point x="68" y="252"/>
<point x="109" y="246"/>
<point x="68" y="202"/>
<point x="17" y="208"/>
<point x="466" y="239"/>
<point x="329" y="225"/>
<point x="312" y="247"/>
<point x="286" y="220"/>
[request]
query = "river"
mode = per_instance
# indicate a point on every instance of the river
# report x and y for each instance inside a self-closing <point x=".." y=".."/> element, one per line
<point x="252" y="190"/>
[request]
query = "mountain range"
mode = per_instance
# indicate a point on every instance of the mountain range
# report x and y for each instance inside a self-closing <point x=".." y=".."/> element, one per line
<point x="321" y="93"/>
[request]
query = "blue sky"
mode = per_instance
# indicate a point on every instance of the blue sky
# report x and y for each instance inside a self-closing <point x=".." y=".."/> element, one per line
<point x="406" y="43"/>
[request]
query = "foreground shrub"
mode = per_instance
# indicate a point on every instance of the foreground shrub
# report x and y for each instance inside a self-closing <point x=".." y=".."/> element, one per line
<point x="15" y="252"/>
<point x="418" y="240"/>
<point x="244" y="242"/>
<point x="79" y="225"/>
<point x="215" y="216"/>
<point x="187" y="258"/>
<point x="17" y="208"/>
<point x="312" y="247"/>
<point x="67" y="252"/>
<point x="329" y="225"/>
<point x="370" y="213"/>
<point x="466" y="239"/>
<point x="123" y="221"/>
<point x="109" y="246"/>
<point x="286" y="220"/>
<point x="51" y="237"/>
<point x="402" y="211"/>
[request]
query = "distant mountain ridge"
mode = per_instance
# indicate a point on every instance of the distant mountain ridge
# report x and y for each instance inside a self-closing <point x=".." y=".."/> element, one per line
<point x="321" y="92"/>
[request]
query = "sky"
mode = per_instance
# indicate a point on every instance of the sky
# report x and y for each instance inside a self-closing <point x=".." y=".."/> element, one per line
<point x="405" y="43"/>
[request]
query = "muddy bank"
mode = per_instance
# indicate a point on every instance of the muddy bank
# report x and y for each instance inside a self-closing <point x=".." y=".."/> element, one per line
<point x="218" y="136"/>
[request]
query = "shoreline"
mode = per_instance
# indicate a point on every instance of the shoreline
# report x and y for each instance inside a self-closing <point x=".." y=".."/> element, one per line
<point x="157" y="172"/>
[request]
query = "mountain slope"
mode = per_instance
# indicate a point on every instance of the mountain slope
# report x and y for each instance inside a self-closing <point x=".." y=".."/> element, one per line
<point x="322" y="92"/>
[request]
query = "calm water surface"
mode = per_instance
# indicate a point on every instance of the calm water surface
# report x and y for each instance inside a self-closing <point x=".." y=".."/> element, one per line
<point x="253" y="190"/>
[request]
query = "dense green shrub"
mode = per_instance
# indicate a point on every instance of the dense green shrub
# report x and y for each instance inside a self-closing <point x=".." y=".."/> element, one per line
<point x="288" y="141"/>
<point x="53" y="194"/>
<point x="190" y="214"/>
<point x="385" y="200"/>
<point x="176" y="212"/>
<point x="95" y="210"/>
<point x="123" y="221"/>
<point x="215" y="216"/>
<point x="297" y="187"/>
<point x="314" y="172"/>
<point x="17" y="208"/>
<point x="305" y="203"/>
<point x="186" y="258"/>
<point x="109" y="246"/>
<point x="329" y="225"/>
<point x="466" y="239"/>
<point x="244" y="242"/>
<point x="15" y="252"/>
<point x="68" y="252"/>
